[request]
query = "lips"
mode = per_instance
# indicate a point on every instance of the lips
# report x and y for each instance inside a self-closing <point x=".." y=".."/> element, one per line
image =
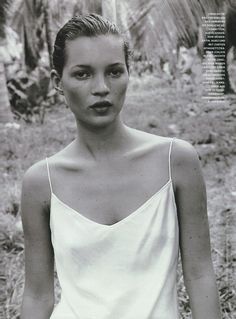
<point x="101" y="105"/>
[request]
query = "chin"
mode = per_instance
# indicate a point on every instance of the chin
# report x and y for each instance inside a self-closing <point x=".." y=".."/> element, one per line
<point x="99" y="122"/>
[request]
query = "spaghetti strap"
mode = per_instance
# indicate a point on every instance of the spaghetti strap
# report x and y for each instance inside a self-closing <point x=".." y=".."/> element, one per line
<point x="49" y="178"/>
<point x="170" y="148"/>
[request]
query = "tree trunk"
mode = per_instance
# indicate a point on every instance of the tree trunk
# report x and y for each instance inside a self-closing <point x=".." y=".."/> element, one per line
<point x="5" y="110"/>
<point x="31" y="50"/>
<point x="109" y="10"/>
<point x="48" y="30"/>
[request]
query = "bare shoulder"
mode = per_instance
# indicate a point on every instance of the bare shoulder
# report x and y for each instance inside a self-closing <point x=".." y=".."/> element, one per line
<point x="183" y="152"/>
<point x="35" y="216"/>
<point x="35" y="183"/>
<point x="186" y="166"/>
<point x="151" y="140"/>
<point x="184" y="155"/>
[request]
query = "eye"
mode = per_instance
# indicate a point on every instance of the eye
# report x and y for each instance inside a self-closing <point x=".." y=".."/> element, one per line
<point x="82" y="75"/>
<point x="115" y="73"/>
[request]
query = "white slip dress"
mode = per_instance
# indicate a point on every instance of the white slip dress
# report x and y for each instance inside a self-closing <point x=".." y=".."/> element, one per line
<point x="126" y="270"/>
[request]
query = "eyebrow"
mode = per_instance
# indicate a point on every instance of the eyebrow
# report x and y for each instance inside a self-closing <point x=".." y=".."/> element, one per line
<point x="116" y="64"/>
<point x="89" y="66"/>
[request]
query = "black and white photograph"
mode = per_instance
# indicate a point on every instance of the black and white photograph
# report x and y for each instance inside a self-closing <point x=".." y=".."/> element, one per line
<point x="118" y="159"/>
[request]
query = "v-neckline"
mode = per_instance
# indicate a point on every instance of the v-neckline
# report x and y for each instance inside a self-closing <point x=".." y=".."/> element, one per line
<point x="123" y="220"/>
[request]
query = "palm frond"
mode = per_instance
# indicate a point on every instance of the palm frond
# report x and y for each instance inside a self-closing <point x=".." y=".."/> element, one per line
<point x="163" y="25"/>
<point x="16" y="15"/>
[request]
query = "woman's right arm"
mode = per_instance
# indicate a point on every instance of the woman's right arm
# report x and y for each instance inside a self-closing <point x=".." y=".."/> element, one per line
<point x="38" y="297"/>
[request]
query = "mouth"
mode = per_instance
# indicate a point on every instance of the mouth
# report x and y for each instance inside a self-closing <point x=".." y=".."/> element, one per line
<point x="101" y="106"/>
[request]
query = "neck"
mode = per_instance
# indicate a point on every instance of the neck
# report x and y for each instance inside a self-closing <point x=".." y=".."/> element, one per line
<point x="102" y="142"/>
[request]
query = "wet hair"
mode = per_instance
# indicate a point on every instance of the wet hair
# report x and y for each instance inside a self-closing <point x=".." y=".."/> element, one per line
<point x="90" y="25"/>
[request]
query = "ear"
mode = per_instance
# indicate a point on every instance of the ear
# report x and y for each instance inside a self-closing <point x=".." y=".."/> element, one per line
<point x="56" y="80"/>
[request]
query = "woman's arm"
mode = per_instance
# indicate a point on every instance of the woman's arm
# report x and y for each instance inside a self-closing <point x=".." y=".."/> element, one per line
<point x="38" y="297"/>
<point x="190" y="194"/>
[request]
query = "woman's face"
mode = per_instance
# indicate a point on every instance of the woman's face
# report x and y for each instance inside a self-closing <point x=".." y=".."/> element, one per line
<point x="95" y="79"/>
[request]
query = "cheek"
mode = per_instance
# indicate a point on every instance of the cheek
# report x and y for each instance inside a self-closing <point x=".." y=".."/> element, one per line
<point x="121" y="87"/>
<point x="76" y="95"/>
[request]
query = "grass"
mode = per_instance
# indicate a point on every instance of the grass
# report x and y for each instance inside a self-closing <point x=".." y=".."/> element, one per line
<point x="155" y="105"/>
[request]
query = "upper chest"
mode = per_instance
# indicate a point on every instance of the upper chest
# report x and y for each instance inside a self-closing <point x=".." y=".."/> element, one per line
<point x="110" y="191"/>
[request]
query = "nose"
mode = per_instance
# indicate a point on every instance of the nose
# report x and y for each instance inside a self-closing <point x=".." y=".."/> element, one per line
<point x="100" y="87"/>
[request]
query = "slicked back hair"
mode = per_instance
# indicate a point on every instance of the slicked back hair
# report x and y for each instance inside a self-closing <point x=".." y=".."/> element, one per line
<point x="90" y="25"/>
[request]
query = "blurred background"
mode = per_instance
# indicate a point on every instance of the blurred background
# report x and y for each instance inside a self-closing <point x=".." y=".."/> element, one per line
<point x="164" y="98"/>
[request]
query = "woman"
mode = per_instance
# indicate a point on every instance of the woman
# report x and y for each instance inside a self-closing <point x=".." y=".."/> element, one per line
<point x="111" y="205"/>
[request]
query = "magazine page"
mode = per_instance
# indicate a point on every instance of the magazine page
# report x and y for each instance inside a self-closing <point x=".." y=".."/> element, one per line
<point x="118" y="132"/>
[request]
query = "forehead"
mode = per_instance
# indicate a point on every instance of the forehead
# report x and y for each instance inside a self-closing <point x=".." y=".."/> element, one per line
<point x="97" y="50"/>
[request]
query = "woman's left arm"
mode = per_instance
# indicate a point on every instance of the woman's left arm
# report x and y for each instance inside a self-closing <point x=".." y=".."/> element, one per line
<point x="195" y="249"/>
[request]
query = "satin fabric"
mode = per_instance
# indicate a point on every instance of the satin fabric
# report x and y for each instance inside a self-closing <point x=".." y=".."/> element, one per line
<point x="122" y="271"/>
